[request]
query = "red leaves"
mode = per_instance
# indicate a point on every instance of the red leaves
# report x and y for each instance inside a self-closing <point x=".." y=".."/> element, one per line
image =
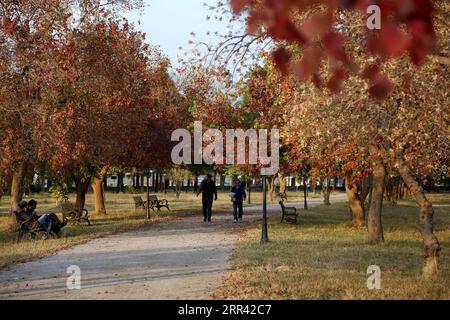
<point x="281" y="57"/>
<point x="238" y="5"/>
<point x="283" y="29"/>
<point x="316" y="26"/>
<point x="8" y="26"/>
<point x="381" y="85"/>
<point x="392" y="41"/>
<point x="371" y="72"/>
<point x="334" y="44"/>
<point x="309" y="64"/>
<point x="335" y="82"/>
<point x="423" y="39"/>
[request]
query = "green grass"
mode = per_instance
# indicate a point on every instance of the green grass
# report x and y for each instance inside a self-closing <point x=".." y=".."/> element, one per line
<point x="324" y="258"/>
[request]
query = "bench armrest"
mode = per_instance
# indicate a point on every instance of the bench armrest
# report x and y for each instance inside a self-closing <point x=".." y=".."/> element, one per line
<point x="163" y="202"/>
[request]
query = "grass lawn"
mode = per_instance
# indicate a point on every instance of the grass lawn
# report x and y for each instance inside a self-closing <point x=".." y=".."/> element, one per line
<point x="121" y="217"/>
<point x="324" y="258"/>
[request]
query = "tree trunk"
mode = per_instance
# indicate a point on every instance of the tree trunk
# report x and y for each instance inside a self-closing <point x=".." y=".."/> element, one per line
<point x="120" y="187"/>
<point x="282" y="179"/>
<point x="366" y="187"/>
<point x="17" y="187"/>
<point x="99" y="192"/>
<point x="249" y="191"/>
<point x="196" y="183"/>
<point x="222" y="182"/>
<point x="189" y="182"/>
<point x="82" y="187"/>
<point x="314" y="188"/>
<point x="137" y="185"/>
<point x="271" y="187"/>
<point x="142" y="183"/>
<point x="395" y="191"/>
<point x="374" y="223"/>
<point x="326" y="189"/>
<point x="356" y="207"/>
<point x="178" y="189"/>
<point x="432" y="246"/>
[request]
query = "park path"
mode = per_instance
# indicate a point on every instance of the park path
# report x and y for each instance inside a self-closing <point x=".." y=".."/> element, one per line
<point x="181" y="259"/>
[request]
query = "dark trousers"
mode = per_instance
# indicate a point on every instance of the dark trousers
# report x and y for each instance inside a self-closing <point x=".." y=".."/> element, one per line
<point x="207" y="208"/>
<point x="56" y="223"/>
<point x="237" y="206"/>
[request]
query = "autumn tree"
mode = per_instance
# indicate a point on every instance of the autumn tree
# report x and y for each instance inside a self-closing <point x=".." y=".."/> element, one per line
<point x="29" y="33"/>
<point x="313" y="26"/>
<point x="377" y="134"/>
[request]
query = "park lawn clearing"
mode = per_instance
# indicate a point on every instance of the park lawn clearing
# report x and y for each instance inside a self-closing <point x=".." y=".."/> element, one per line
<point x="119" y="219"/>
<point x="324" y="258"/>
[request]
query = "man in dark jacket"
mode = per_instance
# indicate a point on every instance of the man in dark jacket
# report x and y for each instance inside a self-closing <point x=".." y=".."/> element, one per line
<point x="56" y="224"/>
<point x="209" y="194"/>
<point x="29" y="216"/>
<point x="238" y="196"/>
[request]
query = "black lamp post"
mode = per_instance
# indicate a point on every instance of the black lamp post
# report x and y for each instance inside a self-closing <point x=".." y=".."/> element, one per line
<point x="305" y="191"/>
<point x="147" y="207"/>
<point x="264" y="236"/>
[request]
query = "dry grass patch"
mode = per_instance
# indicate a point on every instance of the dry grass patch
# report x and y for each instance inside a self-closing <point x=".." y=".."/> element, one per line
<point x="324" y="258"/>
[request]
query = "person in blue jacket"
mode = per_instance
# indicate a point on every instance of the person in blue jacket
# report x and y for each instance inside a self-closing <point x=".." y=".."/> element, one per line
<point x="238" y="195"/>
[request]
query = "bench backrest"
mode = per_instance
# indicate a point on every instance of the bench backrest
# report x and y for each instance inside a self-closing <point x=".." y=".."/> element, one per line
<point x="138" y="200"/>
<point x="24" y="222"/>
<point x="19" y="219"/>
<point x="67" y="207"/>
<point x="153" y="198"/>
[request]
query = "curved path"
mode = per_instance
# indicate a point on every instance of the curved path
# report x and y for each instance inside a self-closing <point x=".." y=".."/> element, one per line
<point x="182" y="259"/>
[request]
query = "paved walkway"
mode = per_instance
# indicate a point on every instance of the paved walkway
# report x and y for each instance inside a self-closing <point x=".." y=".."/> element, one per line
<point x="183" y="259"/>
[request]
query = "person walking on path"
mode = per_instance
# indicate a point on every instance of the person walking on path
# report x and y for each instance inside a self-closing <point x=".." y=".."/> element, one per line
<point x="209" y="194"/>
<point x="238" y="195"/>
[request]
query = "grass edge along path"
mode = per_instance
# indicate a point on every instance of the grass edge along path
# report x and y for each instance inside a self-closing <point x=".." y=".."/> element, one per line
<point x="12" y="252"/>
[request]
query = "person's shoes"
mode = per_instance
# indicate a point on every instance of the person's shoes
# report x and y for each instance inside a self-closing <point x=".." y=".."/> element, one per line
<point x="63" y="224"/>
<point x="235" y="221"/>
<point x="45" y="237"/>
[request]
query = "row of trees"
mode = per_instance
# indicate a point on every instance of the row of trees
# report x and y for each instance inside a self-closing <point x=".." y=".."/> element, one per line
<point x="80" y="92"/>
<point x="362" y="105"/>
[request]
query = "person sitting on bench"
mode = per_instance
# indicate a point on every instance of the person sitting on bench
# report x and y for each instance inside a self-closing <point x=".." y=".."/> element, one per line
<point x="56" y="224"/>
<point x="44" y="222"/>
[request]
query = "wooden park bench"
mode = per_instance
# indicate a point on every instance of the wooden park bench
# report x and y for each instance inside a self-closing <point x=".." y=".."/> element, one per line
<point x="72" y="215"/>
<point x="30" y="227"/>
<point x="139" y="204"/>
<point x="283" y="196"/>
<point x="289" y="213"/>
<point x="155" y="204"/>
<point x="158" y="204"/>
